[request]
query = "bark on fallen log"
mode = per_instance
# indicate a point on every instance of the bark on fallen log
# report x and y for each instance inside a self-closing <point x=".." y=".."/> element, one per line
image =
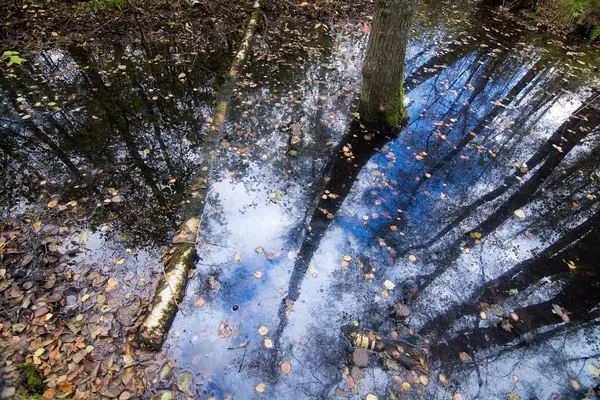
<point x="181" y="259"/>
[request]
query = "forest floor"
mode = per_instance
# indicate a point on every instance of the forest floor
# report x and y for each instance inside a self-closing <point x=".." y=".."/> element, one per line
<point x="52" y="22"/>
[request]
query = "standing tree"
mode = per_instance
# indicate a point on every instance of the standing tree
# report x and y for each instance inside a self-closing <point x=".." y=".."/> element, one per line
<point x="382" y="94"/>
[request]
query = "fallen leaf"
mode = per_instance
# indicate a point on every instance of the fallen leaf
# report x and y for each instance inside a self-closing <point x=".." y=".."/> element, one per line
<point x="49" y="393"/>
<point x="200" y="302"/>
<point x="237" y="256"/>
<point x="389" y="285"/>
<point x="443" y="378"/>
<point x="286" y="367"/>
<point x="519" y="213"/>
<point x="268" y="343"/>
<point x="260" y="387"/>
<point x="406" y="386"/>
<point x="258" y="274"/>
<point x="463" y="356"/>
<point x="574" y="384"/>
<point x="263" y="330"/>
<point x="412" y="258"/>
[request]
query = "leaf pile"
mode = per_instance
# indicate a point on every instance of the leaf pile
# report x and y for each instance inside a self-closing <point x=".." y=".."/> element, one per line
<point x="67" y="321"/>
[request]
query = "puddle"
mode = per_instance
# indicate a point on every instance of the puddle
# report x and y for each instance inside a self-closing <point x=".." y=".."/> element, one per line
<point x="482" y="213"/>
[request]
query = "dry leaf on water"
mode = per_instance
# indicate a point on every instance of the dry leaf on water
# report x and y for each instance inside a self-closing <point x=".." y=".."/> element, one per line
<point x="286" y="367"/>
<point x="263" y="330"/>
<point x="519" y="213"/>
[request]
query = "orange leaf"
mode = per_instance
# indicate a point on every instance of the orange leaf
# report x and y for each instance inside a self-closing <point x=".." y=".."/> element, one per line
<point x="286" y="367"/>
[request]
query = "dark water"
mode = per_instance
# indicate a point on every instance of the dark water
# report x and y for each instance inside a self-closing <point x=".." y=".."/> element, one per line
<point x="486" y="203"/>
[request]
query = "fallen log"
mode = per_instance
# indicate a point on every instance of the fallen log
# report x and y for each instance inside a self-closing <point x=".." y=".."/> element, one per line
<point x="181" y="258"/>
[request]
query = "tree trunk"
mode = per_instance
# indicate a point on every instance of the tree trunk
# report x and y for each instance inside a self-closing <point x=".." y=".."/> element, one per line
<point x="382" y="94"/>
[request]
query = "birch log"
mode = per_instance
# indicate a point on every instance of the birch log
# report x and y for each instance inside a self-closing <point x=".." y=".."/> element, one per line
<point x="181" y="259"/>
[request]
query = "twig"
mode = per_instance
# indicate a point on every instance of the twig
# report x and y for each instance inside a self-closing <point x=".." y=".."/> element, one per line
<point x="245" y="346"/>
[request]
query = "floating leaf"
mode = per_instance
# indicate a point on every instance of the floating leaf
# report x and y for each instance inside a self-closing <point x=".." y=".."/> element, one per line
<point x="519" y="213"/>
<point x="268" y="343"/>
<point x="237" y="256"/>
<point x="412" y="258"/>
<point x="574" y="384"/>
<point x="263" y="330"/>
<point x="286" y="367"/>
<point x="258" y="274"/>
<point x="389" y="285"/>
<point x="463" y="356"/>
<point x="260" y="387"/>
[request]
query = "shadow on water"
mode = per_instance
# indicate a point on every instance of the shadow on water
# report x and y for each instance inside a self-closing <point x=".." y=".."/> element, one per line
<point x="482" y="212"/>
<point x="86" y="124"/>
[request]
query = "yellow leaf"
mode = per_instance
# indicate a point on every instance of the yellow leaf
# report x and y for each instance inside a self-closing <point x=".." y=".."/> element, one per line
<point x="412" y="258"/>
<point x="258" y="274"/>
<point x="260" y="387"/>
<point x="237" y="256"/>
<point x="268" y="343"/>
<point x="263" y="330"/>
<point x="519" y="213"/>
<point x="303" y="4"/>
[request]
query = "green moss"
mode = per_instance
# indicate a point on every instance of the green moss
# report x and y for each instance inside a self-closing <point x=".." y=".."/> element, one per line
<point x="33" y="379"/>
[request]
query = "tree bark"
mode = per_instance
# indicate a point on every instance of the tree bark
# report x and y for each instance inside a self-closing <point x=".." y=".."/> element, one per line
<point x="382" y="94"/>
